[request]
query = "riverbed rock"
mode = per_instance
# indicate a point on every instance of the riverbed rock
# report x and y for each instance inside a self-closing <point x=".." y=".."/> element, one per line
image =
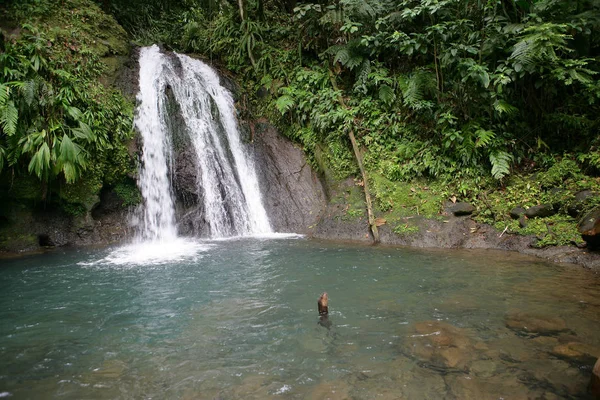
<point x="334" y="390"/>
<point x="535" y="324"/>
<point x="589" y="227"/>
<point x="292" y="192"/>
<point x="516" y="212"/>
<point x="441" y="345"/>
<point x="541" y="211"/>
<point x="576" y="351"/>
<point x="595" y="382"/>
<point x="461" y="208"/>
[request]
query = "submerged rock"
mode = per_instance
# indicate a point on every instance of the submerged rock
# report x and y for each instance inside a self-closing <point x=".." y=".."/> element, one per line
<point x="576" y="351"/>
<point x="541" y="325"/>
<point x="335" y="390"/>
<point x="441" y="345"/>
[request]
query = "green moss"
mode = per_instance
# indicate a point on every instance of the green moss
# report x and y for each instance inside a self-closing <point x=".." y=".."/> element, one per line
<point x="25" y="187"/>
<point x="557" y="230"/>
<point x="560" y="173"/>
<point x="10" y="241"/>
<point x="401" y="199"/>
<point x="129" y="193"/>
<point x="405" y="229"/>
<point x="83" y="194"/>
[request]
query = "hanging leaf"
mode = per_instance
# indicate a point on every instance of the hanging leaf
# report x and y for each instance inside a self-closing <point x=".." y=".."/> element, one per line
<point x="40" y="162"/>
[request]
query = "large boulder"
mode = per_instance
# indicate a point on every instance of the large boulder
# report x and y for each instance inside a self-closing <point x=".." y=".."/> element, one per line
<point x="589" y="227"/>
<point x="292" y="192"/>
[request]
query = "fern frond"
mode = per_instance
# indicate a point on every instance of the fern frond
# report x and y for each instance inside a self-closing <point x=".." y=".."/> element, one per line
<point x="416" y="87"/>
<point x="4" y="93"/>
<point x="540" y="42"/>
<point x="28" y="90"/>
<point x="502" y="107"/>
<point x="386" y="94"/>
<point x="484" y="137"/>
<point x="500" y="161"/>
<point x="342" y="55"/>
<point x="363" y="72"/>
<point x="284" y="104"/>
<point x="362" y="8"/>
<point x="9" y="117"/>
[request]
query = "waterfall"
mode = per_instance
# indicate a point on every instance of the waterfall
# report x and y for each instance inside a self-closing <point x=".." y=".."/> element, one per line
<point x="181" y="103"/>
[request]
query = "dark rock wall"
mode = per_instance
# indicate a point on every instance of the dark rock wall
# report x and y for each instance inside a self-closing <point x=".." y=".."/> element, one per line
<point x="292" y="192"/>
<point x="25" y="229"/>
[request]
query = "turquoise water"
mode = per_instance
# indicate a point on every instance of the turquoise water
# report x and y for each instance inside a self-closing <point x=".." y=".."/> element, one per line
<point x="238" y="319"/>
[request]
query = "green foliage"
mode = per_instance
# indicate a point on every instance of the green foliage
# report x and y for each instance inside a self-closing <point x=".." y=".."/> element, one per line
<point x="129" y="193"/>
<point x="560" y="173"/>
<point x="406" y="229"/>
<point x="57" y="122"/>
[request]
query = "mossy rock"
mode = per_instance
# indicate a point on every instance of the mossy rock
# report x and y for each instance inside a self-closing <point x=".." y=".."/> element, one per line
<point x="589" y="227"/>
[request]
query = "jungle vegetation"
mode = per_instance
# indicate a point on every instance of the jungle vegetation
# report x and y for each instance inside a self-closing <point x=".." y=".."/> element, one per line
<point x="482" y="100"/>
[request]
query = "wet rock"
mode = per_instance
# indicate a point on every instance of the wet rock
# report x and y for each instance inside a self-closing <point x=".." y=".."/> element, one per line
<point x="516" y="212"/>
<point x="461" y="208"/>
<point x="292" y="192"/>
<point x="564" y="379"/>
<point x="441" y="345"/>
<point x="483" y="368"/>
<point x="578" y="203"/>
<point x="335" y="390"/>
<point x="523" y="221"/>
<point x="576" y="351"/>
<point x="595" y="382"/>
<point x="419" y="383"/>
<point x="541" y="211"/>
<point x="532" y="324"/>
<point x="589" y="227"/>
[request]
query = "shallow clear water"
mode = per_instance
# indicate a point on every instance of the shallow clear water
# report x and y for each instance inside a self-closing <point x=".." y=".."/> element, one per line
<point x="237" y="319"/>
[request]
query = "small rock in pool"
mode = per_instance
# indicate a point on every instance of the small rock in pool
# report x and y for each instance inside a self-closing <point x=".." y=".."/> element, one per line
<point x="541" y="325"/>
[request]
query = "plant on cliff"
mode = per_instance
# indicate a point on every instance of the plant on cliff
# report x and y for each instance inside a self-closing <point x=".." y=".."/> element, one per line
<point x="57" y="122"/>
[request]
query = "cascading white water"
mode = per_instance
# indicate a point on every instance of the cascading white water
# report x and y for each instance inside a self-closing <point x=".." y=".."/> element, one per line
<point x="225" y="178"/>
<point x="158" y="219"/>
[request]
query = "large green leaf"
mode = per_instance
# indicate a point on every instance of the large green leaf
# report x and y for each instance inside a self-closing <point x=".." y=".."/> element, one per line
<point x="40" y="162"/>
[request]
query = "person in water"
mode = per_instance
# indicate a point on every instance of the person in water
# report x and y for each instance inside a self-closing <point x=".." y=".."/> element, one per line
<point x="322" y="305"/>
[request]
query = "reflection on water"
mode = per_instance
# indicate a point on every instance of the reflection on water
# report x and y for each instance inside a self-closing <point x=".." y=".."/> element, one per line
<point x="238" y="320"/>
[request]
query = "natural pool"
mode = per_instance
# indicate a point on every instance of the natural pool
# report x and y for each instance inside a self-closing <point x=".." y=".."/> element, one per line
<point x="237" y="319"/>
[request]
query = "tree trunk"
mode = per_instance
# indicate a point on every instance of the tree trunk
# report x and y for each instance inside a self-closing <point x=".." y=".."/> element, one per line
<point x="359" y="161"/>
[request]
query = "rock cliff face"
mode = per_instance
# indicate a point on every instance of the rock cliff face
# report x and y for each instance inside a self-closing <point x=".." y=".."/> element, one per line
<point x="292" y="192"/>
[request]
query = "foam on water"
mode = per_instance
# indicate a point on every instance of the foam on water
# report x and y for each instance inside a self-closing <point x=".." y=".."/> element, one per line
<point x="156" y="252"/>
